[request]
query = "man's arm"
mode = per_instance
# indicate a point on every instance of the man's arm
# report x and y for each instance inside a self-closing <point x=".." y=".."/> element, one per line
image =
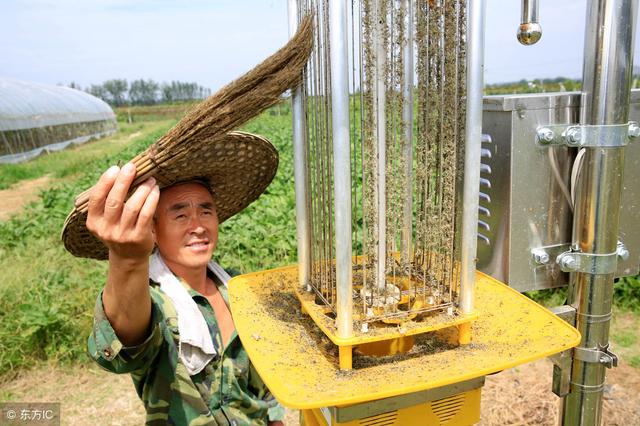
<point x="126" y="229"/>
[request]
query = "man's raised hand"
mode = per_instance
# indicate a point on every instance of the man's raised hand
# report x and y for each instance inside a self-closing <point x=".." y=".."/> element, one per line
<point x="124" y="226"/>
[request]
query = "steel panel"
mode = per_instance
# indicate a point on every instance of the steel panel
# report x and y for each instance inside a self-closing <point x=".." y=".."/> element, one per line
<point x="527" y="207"/>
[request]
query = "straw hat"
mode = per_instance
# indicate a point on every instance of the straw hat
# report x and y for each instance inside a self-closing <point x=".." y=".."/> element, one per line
<point x="202" y="145"/>
<point x="239" y="167"/>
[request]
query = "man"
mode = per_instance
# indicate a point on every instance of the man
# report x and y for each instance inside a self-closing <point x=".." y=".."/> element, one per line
<point x="164" y="316"/>
<point x="135" y="320"/>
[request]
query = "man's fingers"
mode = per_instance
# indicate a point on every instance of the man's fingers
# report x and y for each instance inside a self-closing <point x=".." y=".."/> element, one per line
<point x="135" y="202"/>
<point x="148" y="209"/>
<point x="101" y="190"/>
<point x="115" y="200"/>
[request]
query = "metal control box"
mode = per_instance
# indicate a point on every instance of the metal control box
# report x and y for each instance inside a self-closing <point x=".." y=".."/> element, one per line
<point x="525" y="191"/>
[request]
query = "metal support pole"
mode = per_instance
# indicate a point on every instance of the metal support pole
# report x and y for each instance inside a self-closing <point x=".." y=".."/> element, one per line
<point x="607" y="72"/>
<point x="407" y="122"/>
<point x="473" y="134"/>
<point x="300" y="168"/>
<point x="341" y="163"/>
<point x="381" y="141"/>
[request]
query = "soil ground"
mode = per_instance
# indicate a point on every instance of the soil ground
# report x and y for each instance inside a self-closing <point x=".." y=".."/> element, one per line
<point x="22" y="193"/>
<point x="25" y="191"/>
<point x="520" y="396"/>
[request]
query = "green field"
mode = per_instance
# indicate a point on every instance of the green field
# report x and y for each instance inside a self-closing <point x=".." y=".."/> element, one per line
<point x="47" y="295"/>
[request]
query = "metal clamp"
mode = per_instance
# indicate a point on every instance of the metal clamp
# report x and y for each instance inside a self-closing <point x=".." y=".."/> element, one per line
<point x="598" y="355"/>
<point x="572" y="261"/>
<point x="589" y="263"/>
<point x="587" y="136"/>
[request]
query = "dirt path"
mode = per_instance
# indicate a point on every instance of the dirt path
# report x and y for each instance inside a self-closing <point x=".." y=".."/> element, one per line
<point x="519" y="396"/>
<point x="20" y="194"/>
<point x="522" y="396"/>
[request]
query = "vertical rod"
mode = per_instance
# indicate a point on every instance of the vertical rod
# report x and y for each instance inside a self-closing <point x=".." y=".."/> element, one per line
<point x="607" y="73"/>
<point x="473" y="133"/>
<point x="530" y="9"/>
<point x="341" y="162"/>
<point x="300" y="168"/>
<point x="381" y="127"/>
<point x="407" y="121"/>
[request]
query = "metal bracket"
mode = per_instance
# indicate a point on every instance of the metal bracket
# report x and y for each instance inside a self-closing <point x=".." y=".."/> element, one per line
<point x="567" y="313"/>
<point x="587" y="136"/>
<point x="561" y="385"/>
<point x="597" y="355"/>
<point x="589" y="263"/>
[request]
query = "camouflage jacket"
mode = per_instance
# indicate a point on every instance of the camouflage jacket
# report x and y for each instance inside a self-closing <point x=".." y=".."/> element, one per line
<point x="228" y="391"/>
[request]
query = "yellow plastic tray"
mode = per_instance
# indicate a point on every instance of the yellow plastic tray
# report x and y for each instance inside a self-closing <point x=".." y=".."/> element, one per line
<point x="436" y="322"/>
<point x="300" y="365"/>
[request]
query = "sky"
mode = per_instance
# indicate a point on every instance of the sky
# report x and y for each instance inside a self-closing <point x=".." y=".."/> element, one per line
<point x="212" y="42"/>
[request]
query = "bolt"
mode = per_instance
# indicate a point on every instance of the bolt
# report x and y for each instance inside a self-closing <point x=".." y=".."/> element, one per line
<point x="634" y="130"/>
<point x="545" y="135"/>
<point x="541" y="257"/>
<point x="573" y="136"/>
<point x="622" y="251"/>
<point x="567" y="262"/>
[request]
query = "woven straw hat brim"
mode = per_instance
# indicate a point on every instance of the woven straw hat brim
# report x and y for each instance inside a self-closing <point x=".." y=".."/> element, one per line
<point x="238" y="165"/>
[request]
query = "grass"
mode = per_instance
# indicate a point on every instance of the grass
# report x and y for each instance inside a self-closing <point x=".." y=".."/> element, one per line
<point x="47" y="295"/>
<point x="625" y="337"/>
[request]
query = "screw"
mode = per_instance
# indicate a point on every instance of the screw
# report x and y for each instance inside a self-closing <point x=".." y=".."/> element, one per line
<point x="545" y="135"/>
<point x="634" y="130"/>
<point x="573" y="136"/>
<point x="541" y="257"/>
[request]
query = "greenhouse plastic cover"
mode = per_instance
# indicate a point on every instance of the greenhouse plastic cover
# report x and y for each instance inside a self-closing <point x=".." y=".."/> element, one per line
<point x="25" y="105"/>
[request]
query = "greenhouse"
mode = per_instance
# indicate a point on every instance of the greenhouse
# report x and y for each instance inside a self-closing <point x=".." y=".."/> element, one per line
<point x="37" y="118"/>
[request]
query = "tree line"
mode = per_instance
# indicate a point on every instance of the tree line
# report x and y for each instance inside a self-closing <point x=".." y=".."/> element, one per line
<point x="118" y="92"/>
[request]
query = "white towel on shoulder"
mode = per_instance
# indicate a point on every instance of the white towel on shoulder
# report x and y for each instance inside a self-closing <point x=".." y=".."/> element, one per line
<point x="196" y="348"/>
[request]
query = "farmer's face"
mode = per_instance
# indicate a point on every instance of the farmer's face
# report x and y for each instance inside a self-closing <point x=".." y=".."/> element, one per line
<point x="186" y="225"/>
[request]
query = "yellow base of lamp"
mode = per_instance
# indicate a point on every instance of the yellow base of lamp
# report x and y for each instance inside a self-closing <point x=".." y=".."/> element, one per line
<point x="301" y="366"/>
<point x="461" y="409"/>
